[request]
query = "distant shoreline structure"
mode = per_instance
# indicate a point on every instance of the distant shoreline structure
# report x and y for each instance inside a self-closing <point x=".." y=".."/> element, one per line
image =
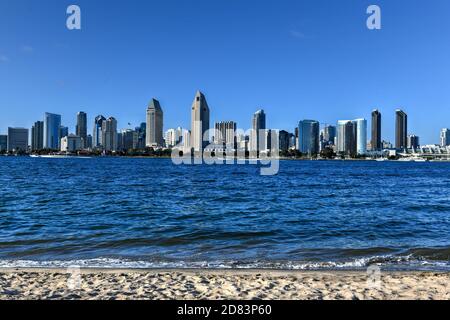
<point x="70" y="156"/>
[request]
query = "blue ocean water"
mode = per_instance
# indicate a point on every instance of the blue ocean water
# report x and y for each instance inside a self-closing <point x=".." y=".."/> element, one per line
<point x="149" y="213"/>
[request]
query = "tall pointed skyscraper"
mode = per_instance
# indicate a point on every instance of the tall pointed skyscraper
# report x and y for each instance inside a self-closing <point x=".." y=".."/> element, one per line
<point x="199" y="122"/>
<point x="154" y="130"/>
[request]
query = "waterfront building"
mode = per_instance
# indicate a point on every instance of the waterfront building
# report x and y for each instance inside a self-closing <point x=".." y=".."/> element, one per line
<point x="401" y="129"/>
<point x="186" y="141"/>
<point x="88" y="144"/>
<point x="81" y="127"/>
<point x="120" y="141"/>
<point x="109" y="134"/>
<point x="242" y="142"/>
<point x="128" y="140"/>
<point x="225" y="133"/>
<point x="308" y="136"/>
<point x="346" y="137"/>
<point x="173" y="137"/>
<point x="386" y="145"/>
<point x="361" y="136"/>
<point x="258" y="137"/>
<point x="71" y="143"/>
<point x="292" y="141"/>
<point x="17" y="139"/>
<point x="141" y="136"/>
<point x="3" y="142"/>
<point x="154" y="130"/>
<point x="329" y="134"/>
<point x="52" y="134"/>
<point x="445" y="138"/>
<point x="284" y="140"/>
<point x="97" y="133"/>
<point x="413" y="142"/>
<point x="199" y="122"/>
<point x="376" y="131"/>
<point x="63" y="131"/>
<point x="37" y="136"/>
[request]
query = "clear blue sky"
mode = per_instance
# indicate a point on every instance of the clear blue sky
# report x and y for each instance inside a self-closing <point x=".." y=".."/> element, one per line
<point x="296" y="59"/>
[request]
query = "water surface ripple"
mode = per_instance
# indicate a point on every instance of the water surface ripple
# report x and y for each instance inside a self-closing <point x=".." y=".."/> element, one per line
<point x="119" y="212"/>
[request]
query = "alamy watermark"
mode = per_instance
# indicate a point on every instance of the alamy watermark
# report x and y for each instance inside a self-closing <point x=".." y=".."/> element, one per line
<point x="251" y="147"/>
<point x="74" y="280"/>
<point x="374" y="20"/>
<point x="374" y="277"/>
<point x="73" y="21"/>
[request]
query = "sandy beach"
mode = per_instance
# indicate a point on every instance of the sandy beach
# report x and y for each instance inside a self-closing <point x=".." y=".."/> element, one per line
<point x="32" y="284"/>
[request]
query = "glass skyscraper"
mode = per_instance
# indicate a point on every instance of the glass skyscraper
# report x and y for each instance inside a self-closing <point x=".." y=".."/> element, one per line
<point x="309" y="137"/>
<point x="52" y="124"/>
<point x="97" y="134"/>
<point x="81" y="127"/>
<point x="361" y="136"/>
<point x="258" y="136"/>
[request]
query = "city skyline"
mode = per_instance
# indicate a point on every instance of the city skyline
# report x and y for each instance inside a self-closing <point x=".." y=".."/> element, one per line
<point x="353" y="137"/>
<point x="309" y="63"/>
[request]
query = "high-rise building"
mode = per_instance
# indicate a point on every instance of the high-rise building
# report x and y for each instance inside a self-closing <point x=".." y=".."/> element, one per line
<point x="329" y="134"/>
<point x="141" y="135"/>
<point x="37" y="136"/>
<point x="376" y="131"/>
<point x="445" y="137"/>
<point x="225" y="133"/>
<point x="284" y="142"/>
<point x="186" y="141"/>
<point x="17" y="139"/>
<point x="361" y="136"/>
<point x="154" y="131"/>
<point x="173" y="137"/>
<point x="52" y="137"/>
<point x="292" y="140"/>
<point x="97" y="134"/>
<point x="199" y="122"/>
<point x="413" y="142"/>
<point x="258" y="137"/>
<point x="346" y="137"/>
<point x="401" y="129"/>
<point x="63" y="131"/>
<point x="81" y="127"/>
<point x="308" y="137"/>
<point x="88" y="144"/>
<point x="3" y="142"/>
<point x="128" y="140"/>
<point x="71" y="143"/>
<point x="120" y="141"/>
<point x="386" y="145"/>
<point x="109" y="134"/>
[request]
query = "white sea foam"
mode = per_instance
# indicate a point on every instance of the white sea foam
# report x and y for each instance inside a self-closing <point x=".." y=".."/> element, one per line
<point x="388" y="262"/>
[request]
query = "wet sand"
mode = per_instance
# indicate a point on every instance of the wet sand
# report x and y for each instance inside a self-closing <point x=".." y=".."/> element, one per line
<point x="104" y="284"/>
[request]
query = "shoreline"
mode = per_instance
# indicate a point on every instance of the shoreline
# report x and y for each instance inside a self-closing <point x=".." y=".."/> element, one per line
<point x="225" y="284"/>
